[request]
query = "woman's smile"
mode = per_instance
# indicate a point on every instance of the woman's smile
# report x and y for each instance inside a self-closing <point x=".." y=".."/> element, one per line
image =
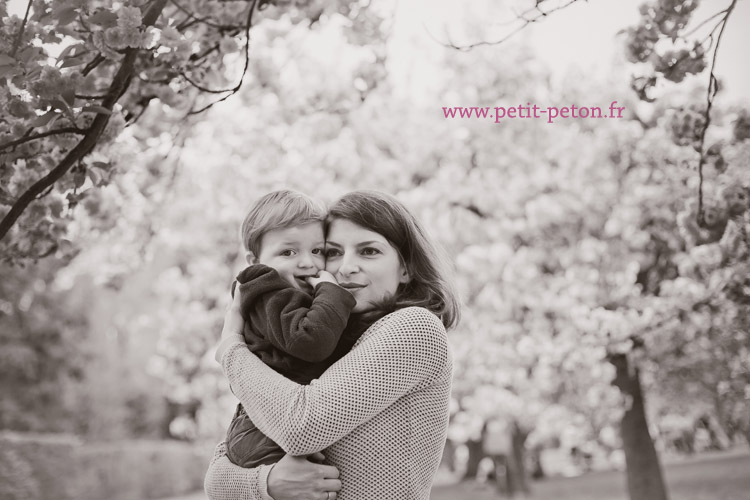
<point x="352" y="287"/>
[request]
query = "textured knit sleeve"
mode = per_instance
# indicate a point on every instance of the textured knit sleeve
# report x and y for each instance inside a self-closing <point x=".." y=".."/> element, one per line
<point x="401" y="353"/>
<point x="226" y="481"/>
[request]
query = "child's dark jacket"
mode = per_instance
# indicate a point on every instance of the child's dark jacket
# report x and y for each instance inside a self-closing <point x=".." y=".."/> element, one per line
<point x="289" y="330"/>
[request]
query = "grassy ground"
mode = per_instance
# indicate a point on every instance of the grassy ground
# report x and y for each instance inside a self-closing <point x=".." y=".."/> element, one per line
<point x="720" y="478"/>
<point x="716" y="478"/>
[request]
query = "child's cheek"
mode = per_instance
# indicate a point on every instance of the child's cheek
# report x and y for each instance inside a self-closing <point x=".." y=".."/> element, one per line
<point x="320" y="263"/>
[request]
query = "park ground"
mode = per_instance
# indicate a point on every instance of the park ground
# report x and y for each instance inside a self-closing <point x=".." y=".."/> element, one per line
<point x="715" y="477"/>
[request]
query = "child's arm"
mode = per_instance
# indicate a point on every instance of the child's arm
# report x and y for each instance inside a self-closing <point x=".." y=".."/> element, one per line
<point x="306" y="327"/>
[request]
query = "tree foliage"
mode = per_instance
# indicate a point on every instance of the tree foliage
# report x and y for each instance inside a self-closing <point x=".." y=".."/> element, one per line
<point x="75" y="73"/>
<point x="41" y="336"/>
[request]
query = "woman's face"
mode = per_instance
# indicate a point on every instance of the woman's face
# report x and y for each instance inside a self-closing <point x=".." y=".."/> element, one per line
<point x="363" y="262"/>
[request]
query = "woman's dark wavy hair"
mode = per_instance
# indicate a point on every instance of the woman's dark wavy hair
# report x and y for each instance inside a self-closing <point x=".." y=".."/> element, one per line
<point x="427" y="265"/>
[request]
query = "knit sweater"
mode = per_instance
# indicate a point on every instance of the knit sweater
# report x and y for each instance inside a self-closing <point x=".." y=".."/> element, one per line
<point x="380" y="413"/>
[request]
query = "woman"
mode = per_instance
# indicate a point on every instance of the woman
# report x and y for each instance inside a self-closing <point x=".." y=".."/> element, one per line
<point x="381" y="412"/>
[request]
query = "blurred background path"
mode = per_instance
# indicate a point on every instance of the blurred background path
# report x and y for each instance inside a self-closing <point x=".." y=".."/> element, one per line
<point x="720" y="476"/>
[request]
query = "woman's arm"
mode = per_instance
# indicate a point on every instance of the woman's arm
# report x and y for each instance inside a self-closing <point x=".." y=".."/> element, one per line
<point x="292" y="478"/>
<point x="408" y="350"/>
<point x="226" y="481"/>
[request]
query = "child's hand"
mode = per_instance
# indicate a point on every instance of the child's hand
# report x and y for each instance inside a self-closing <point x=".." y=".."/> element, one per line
<point x="322" y="277"/>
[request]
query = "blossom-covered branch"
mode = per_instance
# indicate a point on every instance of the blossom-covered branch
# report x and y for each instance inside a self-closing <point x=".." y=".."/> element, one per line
<point x="41" y="135"/>
<point x="119" y="85"/>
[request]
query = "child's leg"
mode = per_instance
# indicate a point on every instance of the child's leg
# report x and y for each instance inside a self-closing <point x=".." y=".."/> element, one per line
<point x="247" y="446"/>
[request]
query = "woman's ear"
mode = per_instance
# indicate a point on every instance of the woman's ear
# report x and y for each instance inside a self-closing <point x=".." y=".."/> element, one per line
<point x="251" y="258"/>
<point x="404" y="278"/>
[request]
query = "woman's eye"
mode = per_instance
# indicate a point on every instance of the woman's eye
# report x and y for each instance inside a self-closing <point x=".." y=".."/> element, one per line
<point x="332" y="252"/>
<point x="370" y="251"/>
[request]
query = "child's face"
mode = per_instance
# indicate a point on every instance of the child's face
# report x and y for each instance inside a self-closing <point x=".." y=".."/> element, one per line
<point x="296" y="252"/>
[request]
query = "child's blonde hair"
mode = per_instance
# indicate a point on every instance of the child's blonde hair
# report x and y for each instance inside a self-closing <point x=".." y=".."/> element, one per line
<point x="278" y="209"/>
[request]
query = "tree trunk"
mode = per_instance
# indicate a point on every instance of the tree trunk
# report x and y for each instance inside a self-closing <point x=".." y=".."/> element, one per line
<point x="476" y="454"/>
<point x="537" y="471"/>
<point x="516" y="463"/>
<point x="449" y="456"/>
<point x="644" y="475"/>
<point x="722" y="431"/>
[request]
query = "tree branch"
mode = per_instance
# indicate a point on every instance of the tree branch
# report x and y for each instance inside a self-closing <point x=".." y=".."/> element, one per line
<point x="713" y="87"/>
<point x="90" y="97"/>
<point x="120" y="84"/>
<point x="186" y="23"/>
<point x="471" y="208"/>
<point x="703" y="23"/>
<point x="96" y="61"/>
<point x="237" y="87"/>
<point x="19" y="36"/>
<point x="535" y="13"/>
<point x="220" y="27"/>
<point x="201" y="87"/>
<point x="59" y="131"/>
<point x="195" y="58"/>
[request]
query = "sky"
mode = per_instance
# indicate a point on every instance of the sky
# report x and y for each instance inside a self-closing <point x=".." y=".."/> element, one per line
<point x="589" y="31"/>
<point x="582" y="36"/>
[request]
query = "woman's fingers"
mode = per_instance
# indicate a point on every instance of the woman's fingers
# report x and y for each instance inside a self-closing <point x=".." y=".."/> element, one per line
<point x="317" y="458"/>
<point x="329" y="495"/>
<point x="298" y="478"/>
<point x="233" y="322"/>
<point x="332" y="485"/>
<point x="329" y="471"/>
<point x="235" y="303"/>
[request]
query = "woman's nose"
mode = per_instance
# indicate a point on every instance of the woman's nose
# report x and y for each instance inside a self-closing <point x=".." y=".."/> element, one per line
<point x="348" y="266"/>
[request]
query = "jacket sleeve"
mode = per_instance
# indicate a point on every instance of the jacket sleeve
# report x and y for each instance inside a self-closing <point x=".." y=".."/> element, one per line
<point x="408" y="351"/>
<point x="306" y="327"/>
<point x="226" y="481"/>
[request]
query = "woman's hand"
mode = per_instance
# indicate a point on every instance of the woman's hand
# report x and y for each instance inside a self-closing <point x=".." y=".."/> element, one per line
<point x="299" y="478"/>
<point x="233" y="322"/>
<point x="233" y="326"/>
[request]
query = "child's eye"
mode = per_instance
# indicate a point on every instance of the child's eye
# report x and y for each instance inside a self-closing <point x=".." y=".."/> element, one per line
<point x="286" y="253"/>
<point x="370" y="251"/>
<point x="317" y="251"/>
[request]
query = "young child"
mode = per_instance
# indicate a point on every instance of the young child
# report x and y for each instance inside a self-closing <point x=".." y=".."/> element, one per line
<point x="295" y="313"/>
